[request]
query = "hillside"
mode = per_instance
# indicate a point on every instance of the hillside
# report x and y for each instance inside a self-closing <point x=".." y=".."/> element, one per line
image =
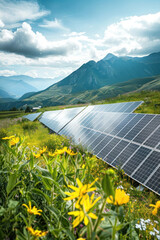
<point x="141" y="84"/>
<point x="132" y="86"/>
<point x="94" y="75"/>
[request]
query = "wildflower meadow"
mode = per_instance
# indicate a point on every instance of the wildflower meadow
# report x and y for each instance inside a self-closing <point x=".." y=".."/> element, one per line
<point x="52" y="189"/>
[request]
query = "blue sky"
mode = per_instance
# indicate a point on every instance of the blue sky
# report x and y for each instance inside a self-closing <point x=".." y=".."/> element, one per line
<point x="52" y="38"/>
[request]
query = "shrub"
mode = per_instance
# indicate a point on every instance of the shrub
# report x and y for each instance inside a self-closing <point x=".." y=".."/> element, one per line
<point x="54" y="142"/>
<point x="30" y="126"/>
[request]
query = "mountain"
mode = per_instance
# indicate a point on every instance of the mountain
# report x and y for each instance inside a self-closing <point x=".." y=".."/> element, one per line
<point x="134" y="85"/>
<point x="4" y="94"/>
<point x="37" y="83"/>
<point x="108" y="71"/>
<point x="16" y="86"/>
<point x="99" y="80"/>
<point x="131" y="86"/>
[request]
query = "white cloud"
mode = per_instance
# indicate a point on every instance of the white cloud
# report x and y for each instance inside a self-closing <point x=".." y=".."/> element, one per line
<point x="55" y="24"/>
<point x="31" y="50"/>
<point x="7" y="73"/>
<point x="12" y="11"/>
<point x="136" y="35"/>
<point x="33" y="45"/>
<point x="1" y="24"/>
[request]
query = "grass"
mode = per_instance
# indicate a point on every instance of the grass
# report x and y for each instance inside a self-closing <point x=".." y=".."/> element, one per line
<point x="11" y="114"/>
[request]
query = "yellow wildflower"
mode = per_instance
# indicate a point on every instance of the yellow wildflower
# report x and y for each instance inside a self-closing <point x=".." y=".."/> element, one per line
<point x="63" y="150"/>
<point x="14" y="141"/>
<point x="43" y="150"/>
<point x="120" y="198"/>
<point x="83" y="213"/>
<point x="80" y="191"/>
<point x="37" y="155"/>
<point x="83" y="166"/>
<point x="8" y="138"/>
<point x="33" y="210"/>
<point x="155" y="210"/>
<point x="60" y="151"/>
<point x="51" y="154"/>
<point x="81" y="239"/>
<point x="70" y="152"/>
<point x="36" y="233"/>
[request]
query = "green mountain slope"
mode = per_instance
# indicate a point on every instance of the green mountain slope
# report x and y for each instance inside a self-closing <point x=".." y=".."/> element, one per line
<point x="108" y="71"/>
<point x="135" y="85"/>
<point x="131" y="86"/>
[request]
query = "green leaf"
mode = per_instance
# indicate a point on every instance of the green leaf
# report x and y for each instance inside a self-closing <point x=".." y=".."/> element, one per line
<point x="107" y="186"/>
<point x="11" y="183"/>
<point x="69" y="234"/>
<point x="65" y="222"/>
<point x="31" y="162"/>
<point x="2" y="211"/>
<point x="39" y="192"/>
<point x="12" y="204"/>
<point x="55" y="212"/>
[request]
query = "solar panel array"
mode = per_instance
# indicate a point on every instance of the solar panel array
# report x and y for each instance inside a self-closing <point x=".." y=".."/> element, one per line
<point x="124" y="139"/>
<point x="56" y="120"/>
<point x="32" y="116"/>
<point x="115" y="134"/>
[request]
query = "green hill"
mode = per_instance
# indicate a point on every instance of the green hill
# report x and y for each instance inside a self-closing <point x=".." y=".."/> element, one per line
<point x="131" y="86"/>
<point x="141" y="84"/>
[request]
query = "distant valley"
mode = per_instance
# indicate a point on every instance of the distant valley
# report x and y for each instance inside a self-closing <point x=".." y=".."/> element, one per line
<point x="16" y="86"/>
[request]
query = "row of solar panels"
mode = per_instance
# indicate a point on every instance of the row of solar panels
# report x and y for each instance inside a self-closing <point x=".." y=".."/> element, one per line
<point x="115" y="134"/>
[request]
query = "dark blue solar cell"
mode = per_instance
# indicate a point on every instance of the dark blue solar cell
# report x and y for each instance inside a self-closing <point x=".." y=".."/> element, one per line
<point x="138" y="127"/>
<point x="97" y="137"/>
<point x="154" y="181"/>
<point x="125" y="154"/>
<point x="132" y="107"/>
<point x="83" y="136"/>
<point x="102" y="143"/>
<point x="125" y="106"/>
<point x="158" y="147"/>
<point x="108" y="147"/>
<point x="110" y="127"/>
<point x="135" y="160"/>
<point x="116" y="151"/>
<point x="148" y="129"/>
<point x="130" y="125"/>
<point x="147" y="167"/>
<point x="154" y="139"/>
<point x="122" y="124"/>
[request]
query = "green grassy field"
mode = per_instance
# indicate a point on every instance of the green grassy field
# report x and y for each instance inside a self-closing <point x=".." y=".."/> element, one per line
<point x="11" y="114"/>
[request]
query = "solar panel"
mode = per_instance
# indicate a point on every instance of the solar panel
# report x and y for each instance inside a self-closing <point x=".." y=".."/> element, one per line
<point x="32" y="116"/>
<point x="154" y="181"/>
<point x="47" y="117"/>
<point x="147" y="167"/>
<point x="153" y="140"/>
<point x="118" y="136"/>
<point x="56" y="120"/>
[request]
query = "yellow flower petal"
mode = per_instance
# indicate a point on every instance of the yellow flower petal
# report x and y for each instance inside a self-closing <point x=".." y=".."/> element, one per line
<point x="86" y="221"/>
<point x="92" y="215"/>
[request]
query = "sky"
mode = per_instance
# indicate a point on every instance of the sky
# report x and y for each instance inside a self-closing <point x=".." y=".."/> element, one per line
<point x="52" y="38"/>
